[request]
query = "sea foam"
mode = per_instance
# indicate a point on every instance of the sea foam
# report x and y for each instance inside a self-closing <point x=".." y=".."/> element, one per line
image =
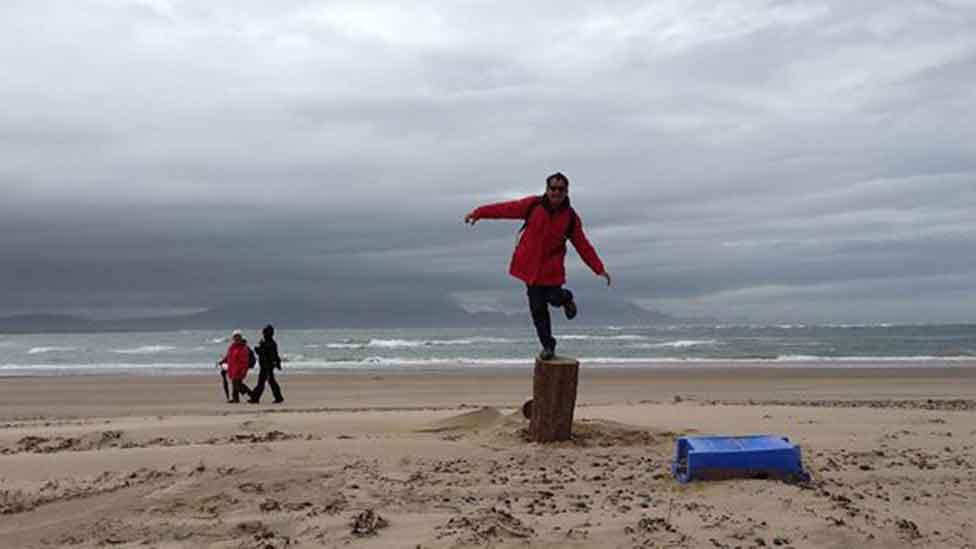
<point x="679" y="344"/>
<point x="145" y="350"/>
<point x="42" y="350"/>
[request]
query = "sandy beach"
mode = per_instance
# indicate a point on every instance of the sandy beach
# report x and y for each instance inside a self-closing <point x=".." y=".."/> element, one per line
<point x="438" y="459"/>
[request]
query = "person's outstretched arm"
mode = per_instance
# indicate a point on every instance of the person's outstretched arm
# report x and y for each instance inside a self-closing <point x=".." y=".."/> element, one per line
<point x="587" y="252"/>
<point x="513" y="209"/>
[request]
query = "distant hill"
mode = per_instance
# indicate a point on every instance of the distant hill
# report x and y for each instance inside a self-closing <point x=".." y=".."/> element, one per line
<point x="308" y="315"/>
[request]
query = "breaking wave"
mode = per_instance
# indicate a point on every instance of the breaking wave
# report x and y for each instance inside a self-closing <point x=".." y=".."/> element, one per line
<point x="145" y="350"/>
<point x="415" y="343"/>
<point x="625" y="337"/>
<point x="42" y="350"/>
<point x="679" y="344"/>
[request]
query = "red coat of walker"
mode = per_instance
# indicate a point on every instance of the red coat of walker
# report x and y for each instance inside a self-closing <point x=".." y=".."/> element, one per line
<point x="540" y="257"/>
<point x="237" y="361"/>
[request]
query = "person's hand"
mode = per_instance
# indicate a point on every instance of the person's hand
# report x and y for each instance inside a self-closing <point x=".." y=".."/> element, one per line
<point x="471" y="218"/>
<point x="606" y="276"/>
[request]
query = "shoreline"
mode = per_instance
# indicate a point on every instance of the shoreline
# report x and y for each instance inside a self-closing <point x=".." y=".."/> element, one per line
<point x="501" y="365"/>
<point x="169" y="394"/>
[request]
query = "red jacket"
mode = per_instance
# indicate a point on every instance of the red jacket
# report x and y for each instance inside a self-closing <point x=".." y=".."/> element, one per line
<point x="237" y="361"/>
<point x="540" y="256"/>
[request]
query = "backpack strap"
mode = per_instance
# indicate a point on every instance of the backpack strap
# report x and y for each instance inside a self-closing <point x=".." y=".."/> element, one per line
<point x="570" y="227"/>
<point x="528" y="214"/>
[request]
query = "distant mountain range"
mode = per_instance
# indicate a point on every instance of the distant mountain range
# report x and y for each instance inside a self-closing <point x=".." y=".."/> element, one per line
<point x="307" y="315"/>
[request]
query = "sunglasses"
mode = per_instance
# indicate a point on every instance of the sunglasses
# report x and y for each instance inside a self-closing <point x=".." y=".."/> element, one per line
<point x="557" y="188"/>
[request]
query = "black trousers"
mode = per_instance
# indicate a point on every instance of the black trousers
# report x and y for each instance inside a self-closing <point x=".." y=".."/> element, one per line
<point x="238" y="388"/>
<point x="540" y="298"/>
<point x="266" y="375"/>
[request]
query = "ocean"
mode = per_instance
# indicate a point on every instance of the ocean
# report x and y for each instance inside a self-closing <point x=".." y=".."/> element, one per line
<point x="180" y="352"/>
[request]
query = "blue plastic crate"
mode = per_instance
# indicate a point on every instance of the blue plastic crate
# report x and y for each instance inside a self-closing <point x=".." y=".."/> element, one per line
<point x="723" y="457"/>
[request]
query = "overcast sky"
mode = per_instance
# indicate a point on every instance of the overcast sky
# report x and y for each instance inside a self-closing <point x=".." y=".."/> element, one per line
<point x="760" y="160"/>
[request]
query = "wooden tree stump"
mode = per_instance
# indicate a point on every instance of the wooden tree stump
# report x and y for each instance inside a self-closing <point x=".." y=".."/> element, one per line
<point x="553" y="399"/>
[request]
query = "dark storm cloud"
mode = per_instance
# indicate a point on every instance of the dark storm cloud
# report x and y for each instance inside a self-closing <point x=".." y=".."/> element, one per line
<point x="759" y="160"/>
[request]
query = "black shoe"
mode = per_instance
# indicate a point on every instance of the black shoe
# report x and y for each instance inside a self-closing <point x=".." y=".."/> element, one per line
<point x="547" y="354"/>
<point x="232" y="401"/>
<point x="570" y="309"/>
<point x="252" y="401"/>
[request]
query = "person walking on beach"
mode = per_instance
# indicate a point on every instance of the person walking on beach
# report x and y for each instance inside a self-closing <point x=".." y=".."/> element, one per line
<point x="268" y="361"/>
<point x="237" y="360"/>
<point x="540" y="256"/>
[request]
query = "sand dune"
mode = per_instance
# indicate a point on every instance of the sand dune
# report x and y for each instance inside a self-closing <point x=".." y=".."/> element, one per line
<point x="484" y="418"/>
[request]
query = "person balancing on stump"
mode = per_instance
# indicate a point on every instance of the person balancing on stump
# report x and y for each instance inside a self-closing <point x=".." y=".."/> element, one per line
<point x="540" y="256"/>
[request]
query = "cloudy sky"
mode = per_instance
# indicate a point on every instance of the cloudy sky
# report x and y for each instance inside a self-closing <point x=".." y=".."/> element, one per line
<point x="761" y="160"/>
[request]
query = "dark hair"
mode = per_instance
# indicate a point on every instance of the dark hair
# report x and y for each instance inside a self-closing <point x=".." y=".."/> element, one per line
<point x="558" y="176"/>
<point x="268" y="331"/>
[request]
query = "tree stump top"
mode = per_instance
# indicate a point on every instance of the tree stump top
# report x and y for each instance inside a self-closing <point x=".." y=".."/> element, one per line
<point x="559" y="361"/>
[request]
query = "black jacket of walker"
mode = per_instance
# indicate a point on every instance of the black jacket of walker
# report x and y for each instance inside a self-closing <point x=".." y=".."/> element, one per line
<point x="268" y="357"/>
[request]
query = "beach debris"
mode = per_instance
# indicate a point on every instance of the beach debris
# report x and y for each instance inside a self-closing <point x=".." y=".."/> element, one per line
<point x="251" y="527"/>
<point x="649" y="532"/>
<point x="336" y="505"/>
<point x="908" y="528"/>
<point x="647" y="524"/>
<point x="262" y="536"/>
<point x="217" y="503"/>
<point x="14" y="501"/>
<point x="368" y="523"/>
<point x="251" y="487"/>
<point x="269" y="436"/>
<point x="486" y="525"/>
<point x="269" y="505"/>
<point x="724" y="457"/>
